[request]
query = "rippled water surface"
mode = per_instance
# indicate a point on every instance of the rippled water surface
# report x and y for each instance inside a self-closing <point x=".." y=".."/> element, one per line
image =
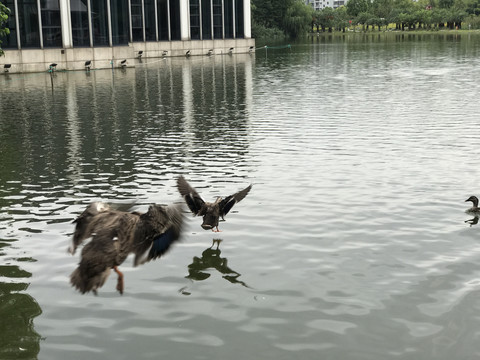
<point x="353" y="243"/>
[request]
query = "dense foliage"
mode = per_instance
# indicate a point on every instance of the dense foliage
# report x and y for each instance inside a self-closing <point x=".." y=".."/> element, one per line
<point x="426" y="14"/>
<point x="4" y="11"/>
<point x="274" y="18"/>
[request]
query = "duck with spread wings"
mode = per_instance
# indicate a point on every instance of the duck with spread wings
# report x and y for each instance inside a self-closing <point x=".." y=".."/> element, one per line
<point x="211" y="211"/>
<point x="114" y="235"/>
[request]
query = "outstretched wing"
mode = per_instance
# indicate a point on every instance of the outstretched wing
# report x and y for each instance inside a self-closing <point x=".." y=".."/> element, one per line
<point x="83" y="223"/>
<point x="166" y="228"/>
<point x="193" y="200"/>
<point x="227" y="203"/>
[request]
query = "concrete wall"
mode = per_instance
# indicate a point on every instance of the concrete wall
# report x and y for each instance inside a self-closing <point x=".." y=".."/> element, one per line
<point x="37" y="60"/>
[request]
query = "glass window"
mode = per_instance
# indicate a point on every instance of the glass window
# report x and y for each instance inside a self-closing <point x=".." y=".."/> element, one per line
<point x="206" y="19"/>
<point x="228" y="19"/>
<point x="28" y="19"/>
<point x="150" y="33"/>
<point x="79" y="17"/>
<point x="10" y="41"/>
<point x="217" y="19"/>
<point x="239" y="27"/>
<point x="137" y="20"/>
<point x="162" y="15"/>
<point x="120" y="22"/>
<point x="195" y="19"/>
<point x="99" y="22"/>
<point x="175" y="19"/>
<point x="51" y="26"/>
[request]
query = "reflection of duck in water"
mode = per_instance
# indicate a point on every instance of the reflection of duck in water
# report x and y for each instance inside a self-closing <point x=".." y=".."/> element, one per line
<point x="474" y="208"/>
<point x="211" y="212"/>
<point x="115" y="234"/>
<point x="211" y="260"/>
<point x="473" y="221"/>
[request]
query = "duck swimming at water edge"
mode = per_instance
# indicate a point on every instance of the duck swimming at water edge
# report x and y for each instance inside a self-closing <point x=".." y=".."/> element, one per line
<point x="211" y="211"/>
<point x="474" y="208"/>
<point x="114" y="235"/>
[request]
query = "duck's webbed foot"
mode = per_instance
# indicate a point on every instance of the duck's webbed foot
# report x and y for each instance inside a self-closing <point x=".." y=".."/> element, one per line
<point x="217" y="229"/>
<point x="120" y="284"/>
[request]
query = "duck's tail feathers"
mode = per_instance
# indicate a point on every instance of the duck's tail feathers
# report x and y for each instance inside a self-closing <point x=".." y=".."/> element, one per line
<point x="88" y="282"/>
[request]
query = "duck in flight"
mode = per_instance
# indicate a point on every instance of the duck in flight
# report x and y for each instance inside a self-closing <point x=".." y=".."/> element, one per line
<point x="211" y="211"/>
<point x="114" y="235"/>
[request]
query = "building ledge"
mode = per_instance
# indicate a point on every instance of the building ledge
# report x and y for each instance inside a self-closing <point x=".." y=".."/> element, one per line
<point x="38" y="60"/>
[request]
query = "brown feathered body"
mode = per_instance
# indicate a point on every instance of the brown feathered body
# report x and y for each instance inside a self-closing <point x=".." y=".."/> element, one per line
<point x="211" y="211"/>
<point x="115" y="234"/>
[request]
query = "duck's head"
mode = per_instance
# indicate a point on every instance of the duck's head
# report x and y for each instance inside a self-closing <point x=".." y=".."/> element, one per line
<point x="473" y="199"/>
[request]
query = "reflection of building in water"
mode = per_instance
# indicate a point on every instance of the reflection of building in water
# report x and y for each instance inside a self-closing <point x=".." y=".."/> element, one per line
<point x="211" y="259"/>
<point x="70" y="33"/>
<point x="18" y="339"/>
<point x="143" y="123"/>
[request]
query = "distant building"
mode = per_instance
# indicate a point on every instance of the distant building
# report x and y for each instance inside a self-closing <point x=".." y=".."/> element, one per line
<point x="70" y="33"/>
<point x="321" y="4"/>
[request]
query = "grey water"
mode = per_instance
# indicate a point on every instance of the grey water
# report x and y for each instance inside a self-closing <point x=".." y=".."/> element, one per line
<point x="352" y="244"/>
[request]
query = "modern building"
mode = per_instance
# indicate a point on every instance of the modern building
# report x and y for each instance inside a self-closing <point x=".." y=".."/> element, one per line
<point x="70" y="33"/>
<point x="322" y="4"/>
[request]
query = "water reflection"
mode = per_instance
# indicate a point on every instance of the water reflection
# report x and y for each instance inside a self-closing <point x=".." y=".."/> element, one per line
<point x="211" y="259"/>
<point x="18" y="339"/>
<point x="105" y="135"/>
<point x="121" y="127"/>
<point x="473" y="221"/>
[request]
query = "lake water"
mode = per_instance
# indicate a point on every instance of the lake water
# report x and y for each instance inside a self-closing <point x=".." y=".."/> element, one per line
<point x="353" y="243"/>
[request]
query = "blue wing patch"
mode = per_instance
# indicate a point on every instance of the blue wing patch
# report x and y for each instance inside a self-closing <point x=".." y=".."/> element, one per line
<point x="162" y="243"/>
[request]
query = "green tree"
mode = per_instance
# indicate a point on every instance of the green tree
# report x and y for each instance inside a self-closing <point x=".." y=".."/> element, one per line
<point x="440" y="17"/>
<point x="355" y="7"/>
<point x="297" y="19"/>
<point x="327" y="19"/>
<point x="341" y="18"/>
<point x="472" y="7"/>
<point x="4" y="12"/>
<point x="445" y="4"/>
<point x="382" y="8"/>
<point x="364" y="19"/>
<point x="455" y="18"/>
<point x="270" y="13"/>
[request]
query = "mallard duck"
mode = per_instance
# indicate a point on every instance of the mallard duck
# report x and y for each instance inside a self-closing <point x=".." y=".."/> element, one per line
<point x="211" y="212"/>
<point x="474" y="208"/>
<point x="114" y="235"/>
<point x="83" y="221"/>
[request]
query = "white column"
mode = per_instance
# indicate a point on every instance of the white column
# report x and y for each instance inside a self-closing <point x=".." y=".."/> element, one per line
<point x="201" y="19"/>
<point x="223" y="19"/>
<point x="130" y="32"/>
<point x="17" y="26"/>
<point x="40" y="29"/>
<point x="143" y="21"/>
<point x="211" y="19"/>
<point x="184" y="20"/>
<point x="233" y="19"/>
<point x="90" y="28"/>
<point x="156" y="20"/>
<point x="247" y="19"/>
<point x="66" y="22"/>
<point x="168" y="22"/>
<point x="109" y="21"/>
